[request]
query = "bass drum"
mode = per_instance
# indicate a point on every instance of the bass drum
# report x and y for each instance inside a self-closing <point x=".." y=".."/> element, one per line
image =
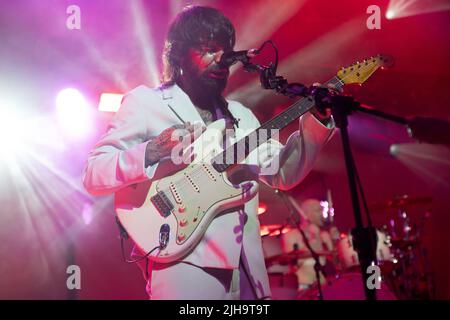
<point x="347" y="286"/>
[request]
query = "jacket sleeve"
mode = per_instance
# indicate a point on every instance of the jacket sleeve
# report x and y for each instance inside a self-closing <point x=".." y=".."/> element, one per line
<point x="285" y="166"/>
<point x="118" y="159"/>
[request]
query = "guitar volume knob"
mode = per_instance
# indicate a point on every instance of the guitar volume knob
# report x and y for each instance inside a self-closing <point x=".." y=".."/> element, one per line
<point x="181" y="237"/>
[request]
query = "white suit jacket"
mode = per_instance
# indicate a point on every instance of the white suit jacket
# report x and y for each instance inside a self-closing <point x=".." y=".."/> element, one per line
<point x="118" y="160"/>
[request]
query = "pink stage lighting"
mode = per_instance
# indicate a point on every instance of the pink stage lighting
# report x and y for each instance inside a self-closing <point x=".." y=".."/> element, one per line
<point x="262" y="208"/>
<point x="110" y="102"/>
<point x="73" y="112"/>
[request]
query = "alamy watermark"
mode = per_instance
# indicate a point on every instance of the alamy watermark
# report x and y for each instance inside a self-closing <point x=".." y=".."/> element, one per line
<point x="374" y="280"/>
<point x="73" y="281"/>
<point x="73" y="21"/>
<point x="260" y="147"/>
<point x="374" y="20"/>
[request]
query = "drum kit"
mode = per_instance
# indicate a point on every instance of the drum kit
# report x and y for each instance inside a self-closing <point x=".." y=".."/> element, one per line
<point x="401" y="256"/>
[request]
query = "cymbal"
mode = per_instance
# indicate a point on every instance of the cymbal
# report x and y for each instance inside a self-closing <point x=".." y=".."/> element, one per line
<point x="293" y="256"/>
<point x="400" y="202"/>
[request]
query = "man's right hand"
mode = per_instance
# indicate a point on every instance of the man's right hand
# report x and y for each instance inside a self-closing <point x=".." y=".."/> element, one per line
<point x="162" y="145"/>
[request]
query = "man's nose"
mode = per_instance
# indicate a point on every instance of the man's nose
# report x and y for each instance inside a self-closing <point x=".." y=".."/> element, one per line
<point x="218" y="56"/>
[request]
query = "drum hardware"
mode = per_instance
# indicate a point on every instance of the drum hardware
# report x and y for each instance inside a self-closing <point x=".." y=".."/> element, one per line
<point x="292" y="257"/>
<point x="296" y="218"/>
<point x="400" y="227"/>
<point x="402" y="259"/>
<point x="410" y="276"/>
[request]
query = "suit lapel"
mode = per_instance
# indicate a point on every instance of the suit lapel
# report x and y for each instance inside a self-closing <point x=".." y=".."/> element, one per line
<point x="180" y="104"/>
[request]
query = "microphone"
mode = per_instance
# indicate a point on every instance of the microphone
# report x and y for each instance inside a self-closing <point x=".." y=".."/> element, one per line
<point x="230" y="58"/>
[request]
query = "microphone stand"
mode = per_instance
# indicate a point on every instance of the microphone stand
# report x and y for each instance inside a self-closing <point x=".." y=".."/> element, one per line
<point x="295" y="216"/>
<point x="423" y="129"/>
<point x="364" y="238"/>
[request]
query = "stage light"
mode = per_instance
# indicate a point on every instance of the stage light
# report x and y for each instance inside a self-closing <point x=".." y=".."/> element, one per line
<point x="262" y="208"/>
<point x="264" y="231"/>
<point x="427" y="160"/>
<point x="110" y="102"/>
<point x="390" y="14"/>
<point x="407" y="8"/>
<point x="325" y="209"/>
<point x="393" y="149"/>
<point x="11" y="129"/>
<point x="73" y="112"/>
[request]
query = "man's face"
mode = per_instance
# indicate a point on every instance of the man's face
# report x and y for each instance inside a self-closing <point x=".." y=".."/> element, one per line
<point x="202" y="67"/>
<point x="314" y="213"/>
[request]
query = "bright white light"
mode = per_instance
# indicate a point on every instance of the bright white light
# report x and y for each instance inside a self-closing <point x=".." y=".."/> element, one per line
<point x="390" y="14"/>
<point x="21" y="132"/>
<point x="407" y="8"/>
<point x="262" y="208"/>
<point x="12" y="129"/>
<point x="325" y="209"/>
<point x="393" y="149"/>
<point x="73" y="112"/>
<point x="110" y="102"/>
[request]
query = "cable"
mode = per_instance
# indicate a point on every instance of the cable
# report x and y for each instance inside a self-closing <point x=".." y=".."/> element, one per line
<point x="138" y="259"/>
<point x="276" y="51"/>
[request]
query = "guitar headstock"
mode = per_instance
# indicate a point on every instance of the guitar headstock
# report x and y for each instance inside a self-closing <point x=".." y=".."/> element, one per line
<point x="359" y="72"/>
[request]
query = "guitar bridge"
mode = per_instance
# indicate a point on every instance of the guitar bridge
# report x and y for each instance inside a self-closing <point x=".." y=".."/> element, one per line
<point x="162" y="203"/>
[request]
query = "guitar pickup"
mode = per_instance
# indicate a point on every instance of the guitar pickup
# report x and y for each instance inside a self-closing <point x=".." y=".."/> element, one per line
<point x="162" y="203"/>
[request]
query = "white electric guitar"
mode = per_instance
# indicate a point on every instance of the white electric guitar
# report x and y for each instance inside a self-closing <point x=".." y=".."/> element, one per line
<point x="166" y="218"/>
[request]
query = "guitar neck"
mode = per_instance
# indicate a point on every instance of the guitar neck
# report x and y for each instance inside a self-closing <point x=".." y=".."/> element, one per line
<point x="238" y="151"/>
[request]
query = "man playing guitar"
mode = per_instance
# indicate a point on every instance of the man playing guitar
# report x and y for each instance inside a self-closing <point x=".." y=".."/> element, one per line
<point x="228" y="262"/>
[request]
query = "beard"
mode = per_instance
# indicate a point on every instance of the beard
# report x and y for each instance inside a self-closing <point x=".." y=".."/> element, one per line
<point x="214" y="86"/>
<point x="203" y="88"/>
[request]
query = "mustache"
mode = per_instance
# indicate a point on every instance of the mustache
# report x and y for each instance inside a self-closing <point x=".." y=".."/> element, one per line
<point x="217" y="68"/>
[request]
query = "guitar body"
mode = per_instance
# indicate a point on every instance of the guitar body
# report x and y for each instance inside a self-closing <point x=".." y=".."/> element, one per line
<point x="179" y="208"/>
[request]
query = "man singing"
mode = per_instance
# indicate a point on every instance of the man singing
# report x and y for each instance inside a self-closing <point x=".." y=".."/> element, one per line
<point x="228" y="262"/>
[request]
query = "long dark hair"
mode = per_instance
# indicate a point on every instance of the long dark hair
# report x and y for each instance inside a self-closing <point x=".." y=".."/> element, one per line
<point x="193" y="26"/>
